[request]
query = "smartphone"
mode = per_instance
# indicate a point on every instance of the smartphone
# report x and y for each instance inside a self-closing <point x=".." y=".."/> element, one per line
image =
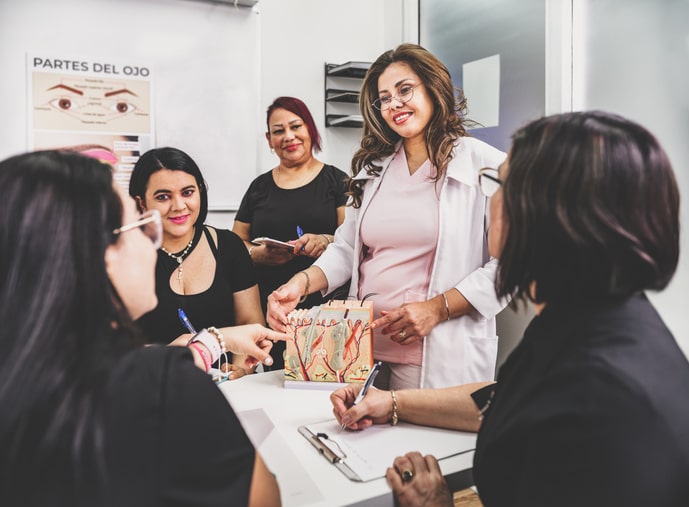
<point x="273" y="243"/>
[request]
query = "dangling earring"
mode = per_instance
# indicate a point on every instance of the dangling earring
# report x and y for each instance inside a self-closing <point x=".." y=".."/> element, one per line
<point x="272" y="151"/>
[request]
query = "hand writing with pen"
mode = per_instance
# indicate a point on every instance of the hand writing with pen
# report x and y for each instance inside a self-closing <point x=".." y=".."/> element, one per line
<point x="374" y="408"/>
<point x="415" y="479"/>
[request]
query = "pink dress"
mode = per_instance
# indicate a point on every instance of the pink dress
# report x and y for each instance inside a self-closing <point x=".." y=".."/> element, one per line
<point x="400" y="232"/>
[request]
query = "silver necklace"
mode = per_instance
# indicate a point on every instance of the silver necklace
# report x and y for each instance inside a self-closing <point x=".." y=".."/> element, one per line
<point x="179" y="258"/>
<point x="300" y="182"/>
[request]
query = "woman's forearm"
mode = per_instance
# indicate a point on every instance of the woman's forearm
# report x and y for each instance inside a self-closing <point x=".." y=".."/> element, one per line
<point x="450" y="407"/>
<point x="311" y="279"/>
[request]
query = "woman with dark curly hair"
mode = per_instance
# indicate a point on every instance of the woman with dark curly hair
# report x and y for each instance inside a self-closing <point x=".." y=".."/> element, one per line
<point x="414" y="236"/>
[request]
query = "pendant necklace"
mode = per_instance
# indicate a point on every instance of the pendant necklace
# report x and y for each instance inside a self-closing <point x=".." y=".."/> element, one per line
<point x="180" y="258"/>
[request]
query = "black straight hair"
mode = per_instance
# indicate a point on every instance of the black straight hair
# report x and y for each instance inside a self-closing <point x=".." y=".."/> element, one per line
<point x="167" y="158"/>
<point x="63" y="323"/>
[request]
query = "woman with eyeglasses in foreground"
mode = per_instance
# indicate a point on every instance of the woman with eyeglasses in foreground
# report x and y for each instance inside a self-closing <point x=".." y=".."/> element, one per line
<point x="88" y="415"/>
<point x="590" y="408"/>
<point x="413" y="239"/>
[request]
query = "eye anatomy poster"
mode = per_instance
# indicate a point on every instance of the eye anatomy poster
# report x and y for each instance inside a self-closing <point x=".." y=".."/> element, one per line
<point x="102" y="108"/>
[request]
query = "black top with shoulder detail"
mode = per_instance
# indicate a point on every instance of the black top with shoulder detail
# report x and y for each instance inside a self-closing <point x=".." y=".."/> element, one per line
<point x="276" y="212"/>
<point x="234" y="272"/>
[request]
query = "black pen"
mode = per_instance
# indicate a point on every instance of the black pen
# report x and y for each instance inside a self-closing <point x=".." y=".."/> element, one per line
<point x="367" y="384"/>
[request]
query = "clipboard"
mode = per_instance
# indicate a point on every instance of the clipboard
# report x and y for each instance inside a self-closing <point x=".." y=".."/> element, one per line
<point x="324" y="446"/>
<point x="365" y="455"/>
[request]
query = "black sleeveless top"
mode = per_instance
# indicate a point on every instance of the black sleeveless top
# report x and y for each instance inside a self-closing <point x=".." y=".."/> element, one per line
<point x="214" y="307"/>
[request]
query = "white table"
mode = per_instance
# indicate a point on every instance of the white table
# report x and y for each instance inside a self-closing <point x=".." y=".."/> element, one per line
<point x="271" y="416"/>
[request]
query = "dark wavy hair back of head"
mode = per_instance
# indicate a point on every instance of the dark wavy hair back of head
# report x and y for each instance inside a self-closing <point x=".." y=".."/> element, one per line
<point x="63" y="323"/>
<point x="167" y="158"/>
<point x="591" y="210"/>
<point x="445" y="127"/>
<point x="297" y="106"/>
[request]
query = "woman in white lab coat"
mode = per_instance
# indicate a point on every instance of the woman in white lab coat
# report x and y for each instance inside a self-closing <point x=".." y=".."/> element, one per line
<point x="414" y="236"/>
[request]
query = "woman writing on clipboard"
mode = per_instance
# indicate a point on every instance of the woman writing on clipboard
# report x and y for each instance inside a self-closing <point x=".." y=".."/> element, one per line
<point x="300" y="200"/>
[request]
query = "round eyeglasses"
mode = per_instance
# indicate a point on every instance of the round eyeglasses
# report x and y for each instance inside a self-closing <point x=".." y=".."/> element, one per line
<point x="151" y="225"/>
<point x="405" y="95"/>
<point x="488" y="181"/>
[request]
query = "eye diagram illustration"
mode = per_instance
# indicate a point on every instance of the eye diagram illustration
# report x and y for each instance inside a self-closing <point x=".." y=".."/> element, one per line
<point x="93" y="102"/>
<point x="81" y="104"/>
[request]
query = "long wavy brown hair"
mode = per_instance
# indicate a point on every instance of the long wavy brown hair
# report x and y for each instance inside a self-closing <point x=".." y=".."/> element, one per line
<point x="447" y="124"/>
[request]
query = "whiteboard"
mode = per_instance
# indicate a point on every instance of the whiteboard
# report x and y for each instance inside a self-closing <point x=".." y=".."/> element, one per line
<point x="205" y="58"/>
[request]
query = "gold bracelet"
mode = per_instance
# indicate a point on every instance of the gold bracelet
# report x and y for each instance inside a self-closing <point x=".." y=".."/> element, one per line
<point x="395" y="415"/>
<point x="306" y="289"/>
<point x="447" y="306"/>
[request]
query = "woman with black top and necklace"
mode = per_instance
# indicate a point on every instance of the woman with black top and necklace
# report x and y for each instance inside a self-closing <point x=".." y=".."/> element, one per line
<point x="204" y="271"/>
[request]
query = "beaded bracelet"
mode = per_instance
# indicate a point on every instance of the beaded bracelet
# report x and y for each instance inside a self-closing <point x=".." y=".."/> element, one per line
<point x="223" y="349"/>
<point x="206" y="360"/>
<point x="219" y="337"/>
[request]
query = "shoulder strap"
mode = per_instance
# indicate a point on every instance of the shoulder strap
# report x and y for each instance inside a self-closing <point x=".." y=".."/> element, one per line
<point x="211" y="242"/>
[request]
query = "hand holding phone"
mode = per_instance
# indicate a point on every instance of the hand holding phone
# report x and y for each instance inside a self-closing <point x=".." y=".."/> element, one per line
<point x="273" y="243"/>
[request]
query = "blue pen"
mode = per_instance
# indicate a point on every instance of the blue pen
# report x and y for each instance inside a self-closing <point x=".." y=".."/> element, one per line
<point x="185" y="320"/>
<point x="300" y="233"/>
<point x="367" y="384"/>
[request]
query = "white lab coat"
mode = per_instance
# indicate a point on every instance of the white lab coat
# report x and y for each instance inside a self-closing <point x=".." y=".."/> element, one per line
<point x="462" y="349"/>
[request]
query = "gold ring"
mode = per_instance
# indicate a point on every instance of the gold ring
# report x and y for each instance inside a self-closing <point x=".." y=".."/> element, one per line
<point x="403" y="334"/>
<point x="407" y="475"/>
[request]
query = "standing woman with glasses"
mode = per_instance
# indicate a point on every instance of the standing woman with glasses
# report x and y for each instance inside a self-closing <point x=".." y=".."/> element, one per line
<point x="203" y="271"/>
<point x="414" y="236"/>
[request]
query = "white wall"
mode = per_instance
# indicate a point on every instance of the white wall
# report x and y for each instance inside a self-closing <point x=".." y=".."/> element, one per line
<point x="204" y="61"/>
<point x="297" y="38"/>
<point x="632" y="57"/>
<point x="645" y="77"/>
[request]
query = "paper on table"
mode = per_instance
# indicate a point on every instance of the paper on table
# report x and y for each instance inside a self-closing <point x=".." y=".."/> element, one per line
<point x="370" y="452"/>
